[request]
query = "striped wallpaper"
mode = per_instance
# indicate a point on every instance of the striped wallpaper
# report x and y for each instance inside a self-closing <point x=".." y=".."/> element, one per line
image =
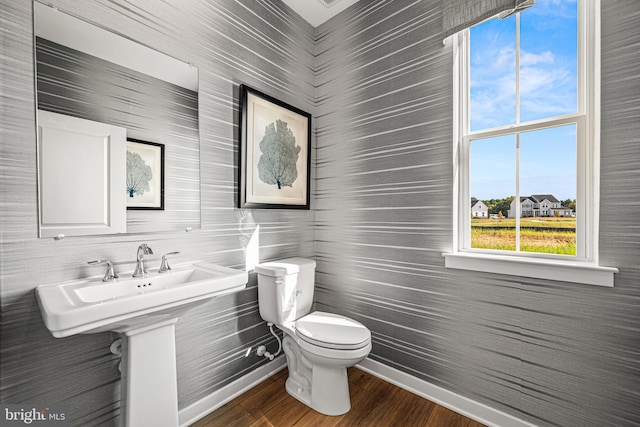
<point x="551" y="353"/>
<point x="377" y="79"/>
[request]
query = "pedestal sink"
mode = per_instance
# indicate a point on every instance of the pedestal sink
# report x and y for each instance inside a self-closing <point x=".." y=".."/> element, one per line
<point x="145" y="311"/>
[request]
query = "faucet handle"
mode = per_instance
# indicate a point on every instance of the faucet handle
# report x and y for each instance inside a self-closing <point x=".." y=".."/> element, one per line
<point x="146" y="250"/>
<point x="164" y="265"/>
<point x="110" y="274"/>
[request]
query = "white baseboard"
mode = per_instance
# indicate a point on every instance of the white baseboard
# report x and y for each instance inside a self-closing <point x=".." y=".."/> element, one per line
<point x="210" y="403"/>
<point x="460" y="404"/>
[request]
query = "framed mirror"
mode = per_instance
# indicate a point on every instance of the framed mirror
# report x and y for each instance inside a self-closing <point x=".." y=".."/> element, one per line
<point x="86" y="77"/>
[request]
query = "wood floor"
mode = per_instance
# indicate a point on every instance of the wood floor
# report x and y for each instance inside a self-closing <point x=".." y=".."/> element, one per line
<point x="374" y="402"/>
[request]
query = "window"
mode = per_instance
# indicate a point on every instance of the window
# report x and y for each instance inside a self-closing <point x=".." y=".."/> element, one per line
<point x="526" y="143"/>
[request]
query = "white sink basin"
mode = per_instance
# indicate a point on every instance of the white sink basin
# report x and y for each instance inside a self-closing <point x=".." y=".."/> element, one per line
<point x="91" y="305"/>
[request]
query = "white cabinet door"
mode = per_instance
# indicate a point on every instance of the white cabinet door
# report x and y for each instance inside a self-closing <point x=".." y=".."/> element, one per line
<point x="82" y="167"/>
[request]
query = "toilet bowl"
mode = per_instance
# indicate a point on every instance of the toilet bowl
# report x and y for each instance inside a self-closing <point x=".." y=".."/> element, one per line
<point x="319" y="346"/>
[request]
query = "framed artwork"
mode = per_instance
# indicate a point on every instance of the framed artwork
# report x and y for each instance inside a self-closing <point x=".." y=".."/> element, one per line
<point x="145" y="175"/>
<point x="275" y="151"/>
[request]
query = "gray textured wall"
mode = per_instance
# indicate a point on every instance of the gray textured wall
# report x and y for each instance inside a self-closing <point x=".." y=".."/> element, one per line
<point x="549" y="352"/>
<point x="253" y="42"/>
<point x="379" y="86"/>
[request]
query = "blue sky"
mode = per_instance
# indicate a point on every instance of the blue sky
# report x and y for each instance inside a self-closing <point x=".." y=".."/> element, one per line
<point x="548" y="78"/>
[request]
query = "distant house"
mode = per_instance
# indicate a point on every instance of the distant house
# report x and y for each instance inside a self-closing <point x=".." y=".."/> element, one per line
<point x="562" y="211"/>
<point x="478" y="208"/>
<point x="542" y="205"/>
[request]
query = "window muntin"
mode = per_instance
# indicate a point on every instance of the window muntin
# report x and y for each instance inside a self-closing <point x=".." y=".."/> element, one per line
<point x="525" y="88"/>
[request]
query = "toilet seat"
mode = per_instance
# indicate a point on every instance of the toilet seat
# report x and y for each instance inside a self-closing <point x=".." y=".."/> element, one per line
<point x="332" y="331"/>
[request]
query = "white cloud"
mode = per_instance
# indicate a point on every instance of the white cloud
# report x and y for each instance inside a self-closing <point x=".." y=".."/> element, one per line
<point x="529" y="58"/>
<point x="537" y="80"/>
<point x="553" y="8"/>
<point x="547" y="91"/>
<point x="506" y="57"/>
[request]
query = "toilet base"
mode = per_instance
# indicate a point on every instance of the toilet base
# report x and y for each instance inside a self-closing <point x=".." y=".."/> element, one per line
<point x="323" y="388"/>
<point x="331" y="398"/>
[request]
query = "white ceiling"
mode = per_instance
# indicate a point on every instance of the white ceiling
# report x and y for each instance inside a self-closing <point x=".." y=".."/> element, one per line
<point x="315" y="12"/>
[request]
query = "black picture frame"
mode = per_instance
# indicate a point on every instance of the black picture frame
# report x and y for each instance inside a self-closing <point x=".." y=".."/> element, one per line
<point x="152" y="154"/>
<point x="263" y="181"/>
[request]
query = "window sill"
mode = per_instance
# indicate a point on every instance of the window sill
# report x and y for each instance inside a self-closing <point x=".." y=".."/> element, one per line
<point x="558" y="270"/>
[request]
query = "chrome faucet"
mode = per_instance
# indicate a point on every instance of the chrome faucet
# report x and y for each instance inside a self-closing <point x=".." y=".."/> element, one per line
<point x="143" y="250"/>
<point x="164" y="265"/>
<point x="110" y="275"/>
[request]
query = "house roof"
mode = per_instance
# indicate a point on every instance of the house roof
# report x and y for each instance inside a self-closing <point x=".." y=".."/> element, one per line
<point x="537" y="198"/>
<point x="541" y="197"/>
<point x="474" y="201"/>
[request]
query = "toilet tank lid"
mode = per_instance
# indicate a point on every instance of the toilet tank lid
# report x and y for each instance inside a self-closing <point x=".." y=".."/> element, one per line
<point x="284" y="267"/>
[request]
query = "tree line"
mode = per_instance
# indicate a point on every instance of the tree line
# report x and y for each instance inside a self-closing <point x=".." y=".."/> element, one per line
<point x="495" y="206"/>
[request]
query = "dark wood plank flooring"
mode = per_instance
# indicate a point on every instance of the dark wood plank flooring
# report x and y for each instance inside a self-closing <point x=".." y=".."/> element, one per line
<point x="374" y="402"/>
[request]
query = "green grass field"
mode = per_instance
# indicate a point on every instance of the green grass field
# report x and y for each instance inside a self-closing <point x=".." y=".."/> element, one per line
<point x="539" y="235"/>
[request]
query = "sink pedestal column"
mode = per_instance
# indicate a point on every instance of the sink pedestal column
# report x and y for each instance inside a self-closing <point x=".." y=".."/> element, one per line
<point x="149" y="386"/>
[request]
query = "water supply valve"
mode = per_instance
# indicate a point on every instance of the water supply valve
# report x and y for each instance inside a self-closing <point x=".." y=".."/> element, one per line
<point x="262" y="351"/>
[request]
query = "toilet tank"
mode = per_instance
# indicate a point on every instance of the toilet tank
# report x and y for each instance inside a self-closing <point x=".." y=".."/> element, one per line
<point x="285" y="289"/>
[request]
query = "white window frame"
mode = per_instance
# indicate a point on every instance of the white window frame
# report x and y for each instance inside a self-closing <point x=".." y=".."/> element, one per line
<point x="584" y="267"/>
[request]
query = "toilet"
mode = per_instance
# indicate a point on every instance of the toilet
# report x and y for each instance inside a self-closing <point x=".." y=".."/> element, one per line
<point x="319" y="346"/>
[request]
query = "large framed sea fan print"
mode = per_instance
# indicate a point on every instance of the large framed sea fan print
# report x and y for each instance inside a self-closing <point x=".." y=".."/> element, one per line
<point x="275" y="151"/>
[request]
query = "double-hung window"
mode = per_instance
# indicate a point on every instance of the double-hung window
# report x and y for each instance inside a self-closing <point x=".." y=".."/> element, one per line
<point x="526" y="144"/>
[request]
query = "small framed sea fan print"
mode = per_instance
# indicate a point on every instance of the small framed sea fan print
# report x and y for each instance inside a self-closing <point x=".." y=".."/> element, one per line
<point x="145" y="175"/>
<point x="275" y="151"/>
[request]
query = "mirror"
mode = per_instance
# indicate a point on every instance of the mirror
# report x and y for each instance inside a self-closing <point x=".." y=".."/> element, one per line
<point x="86" y="73"/>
